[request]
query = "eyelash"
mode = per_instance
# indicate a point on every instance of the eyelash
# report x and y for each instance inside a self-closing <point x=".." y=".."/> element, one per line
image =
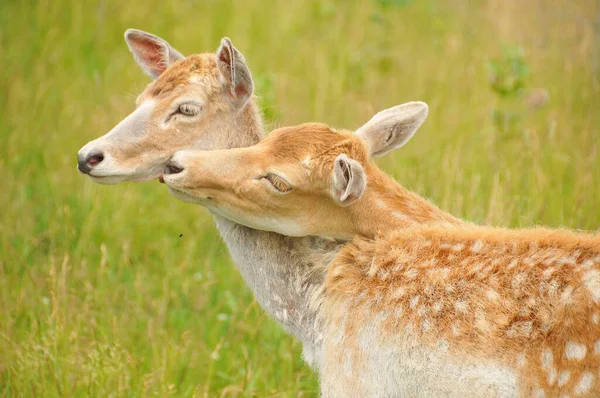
<point x="278" y="183"/>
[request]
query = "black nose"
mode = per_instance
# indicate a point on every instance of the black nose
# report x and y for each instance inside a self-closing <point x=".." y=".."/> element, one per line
<point x="87" y="163"/>
<point x="173" y="168"/>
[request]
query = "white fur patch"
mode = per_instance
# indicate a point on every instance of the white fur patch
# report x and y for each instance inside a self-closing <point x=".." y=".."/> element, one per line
<point x="414" y="301"/>
<point x="585" y="383"/>
<point x="492" y="295"/>
<point x="575" y="351"/>
<point x="411" y="273"/>
<point x="461" y="306"/>
<point x="521" y="360"/>
<point x="567" y="295"/>
<point x="563" y="377"/>
<point x="401" y="291"/>
<point x="547" y="358"/>
<point x="597" y="347"/>
<point x="539" y="393"/>
<point x="458" y="247"/>
<point x="455" y="329"/>
<point x="552" y="373"/>
<point x="426" y="325"/>
<point x="591" y="280"/>
<point x="596" y="318"/>
<point x="477" y="246"/>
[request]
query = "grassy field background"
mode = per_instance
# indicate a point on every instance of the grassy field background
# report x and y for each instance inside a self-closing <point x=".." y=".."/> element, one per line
<point x="99" y="294"/>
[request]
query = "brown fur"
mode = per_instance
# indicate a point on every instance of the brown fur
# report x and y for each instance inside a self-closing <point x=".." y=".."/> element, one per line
<point x="507" y="295"/>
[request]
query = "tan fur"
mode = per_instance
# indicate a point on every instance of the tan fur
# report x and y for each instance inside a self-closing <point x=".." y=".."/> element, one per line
<point x="139" y="148"/>
<point x="229" y="178"/>
<point x="509" y="296"/>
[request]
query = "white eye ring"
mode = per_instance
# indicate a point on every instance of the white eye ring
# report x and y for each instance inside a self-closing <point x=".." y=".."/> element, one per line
<point x="189" y="109"/>
<point x="278" y="183"/>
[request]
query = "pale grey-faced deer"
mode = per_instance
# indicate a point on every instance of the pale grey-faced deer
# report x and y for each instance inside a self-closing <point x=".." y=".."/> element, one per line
<point x="205" y="101"/>
<point x="447" y="309"/>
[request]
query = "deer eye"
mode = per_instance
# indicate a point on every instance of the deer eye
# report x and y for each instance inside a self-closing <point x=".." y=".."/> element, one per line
<point x="189" y="109"/>
<point x="278" y="183"/>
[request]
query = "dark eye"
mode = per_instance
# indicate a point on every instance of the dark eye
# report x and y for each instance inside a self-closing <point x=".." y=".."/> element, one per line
<point x="188" y="109"/>
<point x="278" y="183"/>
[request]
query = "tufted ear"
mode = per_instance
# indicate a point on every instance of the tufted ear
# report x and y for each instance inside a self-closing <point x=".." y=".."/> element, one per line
<point x="393" y="127"/>
<point x="151" y="52"/>
<point x="233" y="67"/>
<point x="349" y="180"/>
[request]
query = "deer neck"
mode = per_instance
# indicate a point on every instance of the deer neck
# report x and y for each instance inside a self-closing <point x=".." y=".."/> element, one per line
<point x="387" y="206"/>
<point x="285" y="274"/>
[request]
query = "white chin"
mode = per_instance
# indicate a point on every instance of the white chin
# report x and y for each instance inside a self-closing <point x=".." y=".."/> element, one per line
<point x="108" y="180"/>
<point x="184" y="197"/>
<point x="115" y="179"/>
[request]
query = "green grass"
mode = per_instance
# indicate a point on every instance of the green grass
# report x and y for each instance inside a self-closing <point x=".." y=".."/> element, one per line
<point x="99" y="294"/>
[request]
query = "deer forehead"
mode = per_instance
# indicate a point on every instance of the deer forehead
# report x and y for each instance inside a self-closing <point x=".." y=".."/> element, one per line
<point x="192" y="73"/>
<point x="313" y="146"/>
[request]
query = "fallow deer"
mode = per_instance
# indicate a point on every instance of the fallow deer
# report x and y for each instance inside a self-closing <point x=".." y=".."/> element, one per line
<point x="413" y="310"/>
<point x="205" y="101"/>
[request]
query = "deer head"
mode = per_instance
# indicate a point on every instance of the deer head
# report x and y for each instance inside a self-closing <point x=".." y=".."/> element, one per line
<point x="194" y="102"/>
<point x="303" y="180"/>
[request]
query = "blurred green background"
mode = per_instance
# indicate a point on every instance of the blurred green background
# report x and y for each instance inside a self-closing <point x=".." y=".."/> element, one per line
<point x="99" y="294"/>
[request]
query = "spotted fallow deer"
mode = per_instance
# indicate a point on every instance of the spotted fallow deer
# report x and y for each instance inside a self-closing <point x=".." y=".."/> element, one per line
<point x="428" y="310"/>
<point x="205" y="101"/>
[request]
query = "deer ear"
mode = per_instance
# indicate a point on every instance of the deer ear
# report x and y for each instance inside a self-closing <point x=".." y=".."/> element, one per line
<point x="151" y="52"/>
<point x="349" y="180"/>
<point x="393" y="127"/>
<point x="233" y="67"/>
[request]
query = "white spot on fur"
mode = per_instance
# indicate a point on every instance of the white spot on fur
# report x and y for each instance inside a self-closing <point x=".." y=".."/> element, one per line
<point x="411" y="273"/>
<point x="518" y="280"/>
<point x="567" y="295"/>
<point x="596" y="318"/>
<point x="563" y="377"/>
<point x="539" y="393"/>
<point x="401" y="291"/>
<point x="585" y="383"/>
<point x="566" y="260"/>
<point x="552" y="373"/>
<point x="455" y="329"/>
<point x="521" y="360"/>
<point x="547" y="358"/>
<point x="458" y="247"/>
<point x="437" y="307"/>
<point x="529" y="261"/>
<point x="414" y="301"/>
<point x="513" y="263"/>
<point x="383" y="274"/>
<point x="441" y="273"/>
<point x="492" y="295"/>
<point x="306" y="161"/>
<point x="426" y="325"/>
<point x="548" y="272"/>
<point x="591" y="280"/>
<point x="461" y="306"/>
<point x="597" y="347"/>
<point x="587" y="264"/>
<point x="477" y="246"/>
<point x="480" y="322"/>
<point x="575" y="351"/>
